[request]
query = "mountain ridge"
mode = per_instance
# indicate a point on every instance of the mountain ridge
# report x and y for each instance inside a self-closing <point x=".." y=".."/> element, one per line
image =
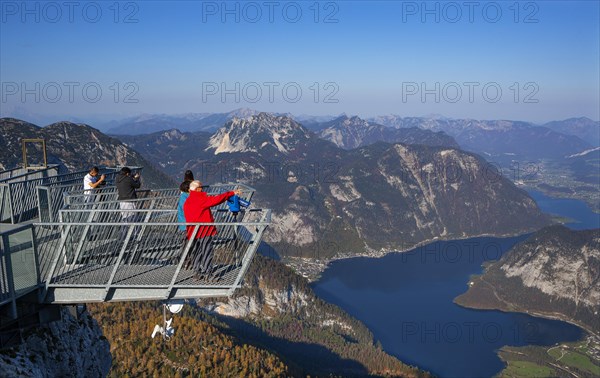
<point x="553" y="273"/>
<point x="352" y="132"/>
<point x="75" y="147"/>
<point x="381" y="196"/>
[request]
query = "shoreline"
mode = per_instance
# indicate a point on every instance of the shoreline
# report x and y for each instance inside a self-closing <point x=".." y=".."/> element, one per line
<point x="316" y="267"/>
<point x="586" y="332"/>
<point x="594" y="206"/>
<point x="518" y="309"/>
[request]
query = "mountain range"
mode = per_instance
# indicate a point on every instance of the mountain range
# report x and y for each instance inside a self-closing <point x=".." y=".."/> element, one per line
<point x="326" y="200"/>
<point x="505" y="140"/>
<point x="366" y="195"/>
<point x="78" y="146"/>
<point x="508" y="144"/>
<point x="557" y="158"/>
<point x="74" y="147"/>
<point x="150" y="123"/>
<point x="353" y="132"/>
<point x="382" y="196"/>
<point x="582" y="127"/>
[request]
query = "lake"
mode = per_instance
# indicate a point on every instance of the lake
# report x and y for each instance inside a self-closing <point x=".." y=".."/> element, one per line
<point x="406" y="300"/>
<point x="581" y="214"/>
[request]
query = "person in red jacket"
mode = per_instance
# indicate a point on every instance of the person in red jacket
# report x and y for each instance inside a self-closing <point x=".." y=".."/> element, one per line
<point x="197" y="210"/>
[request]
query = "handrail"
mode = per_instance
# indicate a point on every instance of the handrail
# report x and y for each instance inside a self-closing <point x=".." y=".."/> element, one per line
<point x="104" y="261"/>
<point x="258" y="223"/>
<point x="19" y="197"/>
<point x="37" y="172"/>
<point x="51" y="196"/>
<point x="91" y="253"/>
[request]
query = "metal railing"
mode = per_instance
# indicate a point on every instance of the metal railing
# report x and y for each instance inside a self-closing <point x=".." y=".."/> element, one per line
<point x="148" y="257"/>
<point x="10" y="173"/>
<point x="19" y="270"/>
<point x="20" y="194"/>
<point x="50" y="196"/>
<point x="78" y="198"/>
<point x="20" y="174"/>
<point x="97" y="252"/>
<point x="162" y="198"/>
<point x="8" y="191"/>
<point x="148" y="199"/>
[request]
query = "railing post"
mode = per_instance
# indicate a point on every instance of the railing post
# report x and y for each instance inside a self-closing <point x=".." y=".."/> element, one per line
<point x="10" y="204"/>
<point x="182" y="260"/>
<point x="36" y="259"/>
<point x="39" y="203"/>
<point x="249" y="255"/>
<point x="50" y="195"/>
<point x="61" y="247"/>
<point x="3" y="199"/>
<point x="86" y="229"/>
<point x="121" y="253"/>
<point x="9" y="276"/>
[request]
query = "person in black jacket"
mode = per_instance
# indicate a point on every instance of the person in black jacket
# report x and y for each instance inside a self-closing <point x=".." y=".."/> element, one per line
<point x="126" y="186"/>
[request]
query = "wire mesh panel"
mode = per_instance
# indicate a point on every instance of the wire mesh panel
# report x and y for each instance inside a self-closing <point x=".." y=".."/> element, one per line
<point x="18" y="264"/>
<point x="48" y="239"/>
<point x="96" y="249"/>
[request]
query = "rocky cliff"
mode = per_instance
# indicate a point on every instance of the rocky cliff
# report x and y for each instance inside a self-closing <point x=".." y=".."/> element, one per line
<point x="70" y="347"/>
<point x="554" y="273"/>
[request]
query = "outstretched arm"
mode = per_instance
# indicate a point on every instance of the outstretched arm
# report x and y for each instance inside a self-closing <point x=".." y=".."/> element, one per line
<point x="218" y="199"/>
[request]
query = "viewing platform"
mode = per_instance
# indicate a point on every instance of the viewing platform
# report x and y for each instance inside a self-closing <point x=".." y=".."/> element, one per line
<point x="79" y="250"/>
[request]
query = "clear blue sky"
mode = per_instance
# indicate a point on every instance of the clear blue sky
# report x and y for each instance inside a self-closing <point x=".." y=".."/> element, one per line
<point x="371" y="58"/>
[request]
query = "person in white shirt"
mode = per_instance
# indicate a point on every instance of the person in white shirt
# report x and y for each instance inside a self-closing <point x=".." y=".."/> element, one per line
<point x="92" y="181"/>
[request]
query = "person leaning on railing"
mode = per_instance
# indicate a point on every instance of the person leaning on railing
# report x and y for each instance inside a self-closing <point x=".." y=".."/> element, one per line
<point x="197" y="210"/>
<point x="92" y="181"/>
<point x="126" y="186"/>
